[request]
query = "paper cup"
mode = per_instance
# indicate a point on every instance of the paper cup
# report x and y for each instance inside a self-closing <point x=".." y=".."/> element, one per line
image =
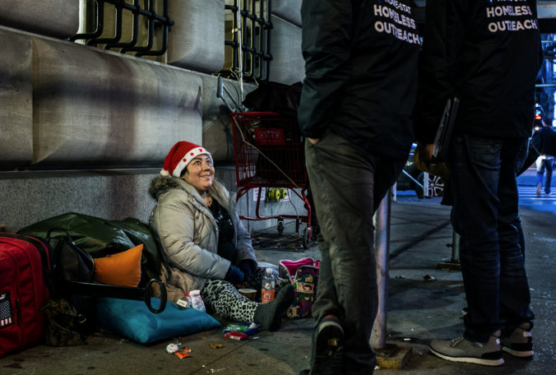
<point x="249" y="293"/>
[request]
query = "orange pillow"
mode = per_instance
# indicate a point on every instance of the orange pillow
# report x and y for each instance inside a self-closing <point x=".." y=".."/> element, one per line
<point x="120" y="269"/>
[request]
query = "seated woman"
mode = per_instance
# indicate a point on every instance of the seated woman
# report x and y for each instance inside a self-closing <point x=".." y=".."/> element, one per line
<point x="204" y="244"/>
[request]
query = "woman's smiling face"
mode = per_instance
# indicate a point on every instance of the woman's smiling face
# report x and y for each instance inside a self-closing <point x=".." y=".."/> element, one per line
<point x="200" y="173"/>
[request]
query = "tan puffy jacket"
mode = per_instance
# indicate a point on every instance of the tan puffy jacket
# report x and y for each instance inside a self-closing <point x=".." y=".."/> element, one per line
<point x="188" y="235"/>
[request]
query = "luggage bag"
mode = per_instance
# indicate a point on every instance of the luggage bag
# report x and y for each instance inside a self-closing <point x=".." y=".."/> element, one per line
<point x="23" y="291"/>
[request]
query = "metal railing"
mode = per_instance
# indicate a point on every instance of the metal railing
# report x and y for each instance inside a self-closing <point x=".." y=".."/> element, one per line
<point x="148" y="12"/>
<point x="249" y="33"/>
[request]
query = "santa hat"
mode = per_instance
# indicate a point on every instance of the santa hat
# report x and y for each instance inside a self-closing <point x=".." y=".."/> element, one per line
<point x="180" y="156"/>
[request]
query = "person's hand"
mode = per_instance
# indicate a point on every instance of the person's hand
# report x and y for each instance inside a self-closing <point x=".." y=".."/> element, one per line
<point x="234" y="275"/>
<point x="314" y="141"/>
<point x="245" y="267"/>
<point x="426" y="152"/>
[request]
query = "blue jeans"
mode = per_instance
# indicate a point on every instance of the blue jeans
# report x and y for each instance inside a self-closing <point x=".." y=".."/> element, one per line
<point x="485" y="215"/>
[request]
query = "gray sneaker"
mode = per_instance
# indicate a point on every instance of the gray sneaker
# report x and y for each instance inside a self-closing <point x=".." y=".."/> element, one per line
<point x="520" y="342"/>
<point x="462" y="350"/>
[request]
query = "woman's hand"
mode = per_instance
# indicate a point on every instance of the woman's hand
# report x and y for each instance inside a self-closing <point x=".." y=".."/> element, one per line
<point x="245" y="267"/>
<point x="234" y="275"/>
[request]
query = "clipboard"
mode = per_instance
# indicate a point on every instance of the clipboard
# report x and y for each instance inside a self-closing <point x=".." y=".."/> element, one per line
<point x="445" y="130"/>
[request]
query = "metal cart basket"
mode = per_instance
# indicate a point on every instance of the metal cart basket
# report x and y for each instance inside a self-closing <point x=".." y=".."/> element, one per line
<point x="269" y="152"/>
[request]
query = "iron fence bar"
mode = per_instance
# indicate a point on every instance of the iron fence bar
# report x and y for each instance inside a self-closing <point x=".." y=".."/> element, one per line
<point x="268" y="45"/>
<point x="257" y="59"/>
<point x="244" y="36"/>
<point x="252" y="56"/>
<point x="99" y="29"/>
<point x="118" y="10"/>
<point x="135" y="8"/>
<point x="150" y="41"/>
<point x="166" y="30"/>
<point x="135" y="32"/>
<point x="151" y="14"/>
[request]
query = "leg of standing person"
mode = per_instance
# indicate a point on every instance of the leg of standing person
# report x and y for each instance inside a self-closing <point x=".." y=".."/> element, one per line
<point x="549" y="161"/>
<point x="518" y="171"/>
<point x="474" y="173"/>
<point x="491" y="256"/>
<point x="540" y="173"/>
<point x="475" y="181"/>
<point x="515" y="312"/>
<point x="344" y="185"/>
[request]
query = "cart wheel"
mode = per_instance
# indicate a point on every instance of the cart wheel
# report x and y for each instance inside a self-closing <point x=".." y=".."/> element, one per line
<point x="307" y="232"/>
<point x="280" y="227"/>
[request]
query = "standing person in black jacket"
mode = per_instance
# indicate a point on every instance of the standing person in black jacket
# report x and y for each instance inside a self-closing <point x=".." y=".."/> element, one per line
<point x="547" y="146"/>
<point x="486" y="52"/>
<point x="356" y="106"/>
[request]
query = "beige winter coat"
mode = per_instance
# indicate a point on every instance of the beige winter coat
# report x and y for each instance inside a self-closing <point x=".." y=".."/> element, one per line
<point x="188" y="235"/>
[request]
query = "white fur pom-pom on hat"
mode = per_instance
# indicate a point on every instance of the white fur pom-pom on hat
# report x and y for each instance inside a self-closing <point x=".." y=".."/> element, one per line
<point x="180" y="156"/>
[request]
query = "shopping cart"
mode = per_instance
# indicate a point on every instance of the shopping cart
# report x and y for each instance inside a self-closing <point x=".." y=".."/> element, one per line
<point x="268" y="150"/>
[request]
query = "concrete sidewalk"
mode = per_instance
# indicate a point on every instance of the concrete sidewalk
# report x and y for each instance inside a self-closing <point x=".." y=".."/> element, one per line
<point x="424" y="303"/>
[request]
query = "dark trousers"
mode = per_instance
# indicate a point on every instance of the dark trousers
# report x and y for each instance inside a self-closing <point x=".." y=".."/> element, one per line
<point x="485" y="215"/>
<point x="348" y="184"/>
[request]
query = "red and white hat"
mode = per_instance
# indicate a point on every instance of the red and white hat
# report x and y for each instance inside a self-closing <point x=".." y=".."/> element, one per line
<point x="179" y="156"/>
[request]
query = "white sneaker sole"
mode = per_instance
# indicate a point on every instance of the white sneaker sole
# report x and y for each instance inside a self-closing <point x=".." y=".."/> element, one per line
<point x="520" y="354"/>
<point x="478" y="361"/>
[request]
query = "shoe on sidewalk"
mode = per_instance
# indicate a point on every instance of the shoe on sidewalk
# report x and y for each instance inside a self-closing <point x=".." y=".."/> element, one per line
<point x="327" y="352"/>
<point x="462" y="350"/>
<point x="539" y="186"/>
<point x="269" y="315"/>
<point x="520" y="342"/>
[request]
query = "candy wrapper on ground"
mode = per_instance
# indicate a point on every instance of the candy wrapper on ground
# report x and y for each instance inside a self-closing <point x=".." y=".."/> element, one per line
<point x="184" y="353"/>
<point x="248" y="328"/>
<point x="236" y="335"/>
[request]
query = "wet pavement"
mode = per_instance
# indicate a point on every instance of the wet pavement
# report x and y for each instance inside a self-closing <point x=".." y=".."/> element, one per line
<point x="424" y="303"/>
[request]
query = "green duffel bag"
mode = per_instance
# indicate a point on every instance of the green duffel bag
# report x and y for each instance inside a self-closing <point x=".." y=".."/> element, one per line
<point x="100" y="237"/>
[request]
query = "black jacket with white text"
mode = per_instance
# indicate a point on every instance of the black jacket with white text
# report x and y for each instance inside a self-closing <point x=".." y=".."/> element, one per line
<point x="361" y="72"/>
<point x="486" y="52"/>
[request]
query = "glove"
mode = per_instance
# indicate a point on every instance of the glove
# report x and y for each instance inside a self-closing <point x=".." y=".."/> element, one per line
<point x="234" y="275"/>
<point x="245" y="267"/>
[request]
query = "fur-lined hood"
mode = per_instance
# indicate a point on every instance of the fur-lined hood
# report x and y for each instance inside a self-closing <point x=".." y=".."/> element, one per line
<point x="161" y="185"/>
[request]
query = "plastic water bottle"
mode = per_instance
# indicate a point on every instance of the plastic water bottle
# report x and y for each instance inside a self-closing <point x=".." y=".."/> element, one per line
<point x="269" y="284"/>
